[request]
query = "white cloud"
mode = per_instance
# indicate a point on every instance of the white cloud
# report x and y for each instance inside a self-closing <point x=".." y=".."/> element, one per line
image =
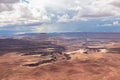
<point x="115" y="3"/>
<point x="5" y="7"/>
<point x="20" y="13"/>
<point x="13" y="12"/>
<point x="114" y="23"/>
<point x="17" y="33"/>
<point x="46" y="28"/>
<point x="64" y="18"/>
<point x="9" y="1"/>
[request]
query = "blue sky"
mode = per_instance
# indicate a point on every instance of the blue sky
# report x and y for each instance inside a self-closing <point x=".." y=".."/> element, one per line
<point x="35" y="16"/>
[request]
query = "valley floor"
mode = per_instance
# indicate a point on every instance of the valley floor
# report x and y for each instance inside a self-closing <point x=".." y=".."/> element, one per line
<point x="80" y="67"/>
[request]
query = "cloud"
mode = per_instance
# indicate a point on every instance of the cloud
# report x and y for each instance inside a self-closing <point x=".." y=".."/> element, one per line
<point x="64" y="18"/>
<point x="20" y="14"/>
<point x="9" y="1"/>
<point x="114" y="23"/>
<point x="6" y="7"/>
<point x="73" y="11"/>
<point x="115" y="3"/>
<point x="52" y="12"/>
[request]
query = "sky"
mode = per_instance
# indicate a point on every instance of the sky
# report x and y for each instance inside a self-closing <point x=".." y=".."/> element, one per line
<point x="38" y="16"/>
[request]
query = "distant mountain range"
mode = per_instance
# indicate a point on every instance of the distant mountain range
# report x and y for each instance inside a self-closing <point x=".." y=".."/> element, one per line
<point x="76" y="34"/>
<point x="94" y="35"/>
